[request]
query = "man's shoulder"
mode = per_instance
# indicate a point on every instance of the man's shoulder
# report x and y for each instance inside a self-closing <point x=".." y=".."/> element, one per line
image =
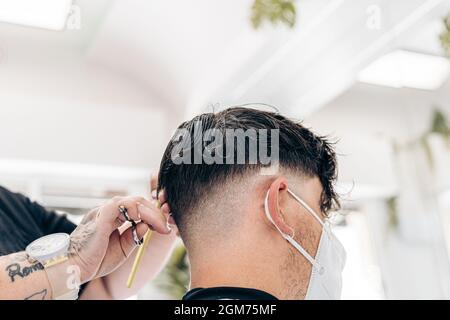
<point x="7" y="196"/>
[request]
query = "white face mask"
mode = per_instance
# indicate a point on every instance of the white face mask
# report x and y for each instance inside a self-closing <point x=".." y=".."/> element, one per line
<point x="326" y="275"/>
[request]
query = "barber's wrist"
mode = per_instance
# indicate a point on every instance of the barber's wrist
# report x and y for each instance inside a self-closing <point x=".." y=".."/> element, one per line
<point x="64" y="279"/>
<point x="63" y="274"/>
<point x="74" y="266"/>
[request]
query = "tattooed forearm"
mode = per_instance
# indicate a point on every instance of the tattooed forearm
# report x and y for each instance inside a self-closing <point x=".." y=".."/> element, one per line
<point x="15" y="270"/>
<point x="22" y="278"/>
<point x="38" y="295"/>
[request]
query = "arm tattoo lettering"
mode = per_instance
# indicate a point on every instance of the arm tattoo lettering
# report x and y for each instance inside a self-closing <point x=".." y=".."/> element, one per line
<point x="15" y="270"/>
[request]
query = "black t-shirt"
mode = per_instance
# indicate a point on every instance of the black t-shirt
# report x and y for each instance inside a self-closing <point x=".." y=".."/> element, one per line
<point x="227" y="293"/>
<point x="23" y="221"/>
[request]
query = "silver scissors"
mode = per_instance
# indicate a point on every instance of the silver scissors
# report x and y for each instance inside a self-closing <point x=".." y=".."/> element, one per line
<point x="124" y="212"/>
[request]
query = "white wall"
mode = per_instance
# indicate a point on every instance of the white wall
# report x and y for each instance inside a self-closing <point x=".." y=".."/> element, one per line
<point x="413" y="256"/>
<point x="68" y="110"/>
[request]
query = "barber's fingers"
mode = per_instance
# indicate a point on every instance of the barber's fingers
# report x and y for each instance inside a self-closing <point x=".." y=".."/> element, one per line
<point x="145" y="202"/>
<point x="162" y="199"/>
<point x="131" y="206"/>
<point x="171" y="221"/>
<point x="126" y="238"/>
<point x="155" y="218"/>
<point x="162" y="196"/>
<point x="153" y="181"/>
<point x="155" y="206"/>
<point x="165" y="209"/>
<point x="110" y="214"/>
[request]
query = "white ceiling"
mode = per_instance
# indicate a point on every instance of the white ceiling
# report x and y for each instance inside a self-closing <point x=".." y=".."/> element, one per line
<point x="155" y="62"/>
<point x="190" y="55"/>
<point x="20" y="40"/>
<point x="173" y="46"/>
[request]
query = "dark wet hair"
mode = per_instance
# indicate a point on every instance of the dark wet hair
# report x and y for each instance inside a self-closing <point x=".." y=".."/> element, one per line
<point x="300" y="150"/>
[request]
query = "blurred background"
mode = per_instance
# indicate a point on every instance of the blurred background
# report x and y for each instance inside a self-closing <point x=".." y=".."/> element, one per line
<point x="91" y="90"/>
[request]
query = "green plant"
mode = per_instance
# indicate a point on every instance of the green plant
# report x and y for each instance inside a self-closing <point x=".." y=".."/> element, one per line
<point x="392" y="213"/>
<point x="445" y="36"/>
<point x="439" y="126"/>
<point x="174" y="279"/>
<point x="274" y="11"/>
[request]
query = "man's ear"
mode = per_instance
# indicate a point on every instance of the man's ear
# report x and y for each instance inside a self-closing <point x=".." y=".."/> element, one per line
<point x="277" y="187"/>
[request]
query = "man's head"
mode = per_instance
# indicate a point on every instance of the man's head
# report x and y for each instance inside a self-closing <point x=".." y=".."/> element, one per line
<point x="217" y="197"/>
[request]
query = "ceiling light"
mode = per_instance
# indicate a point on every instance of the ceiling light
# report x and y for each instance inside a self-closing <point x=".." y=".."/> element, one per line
<point x="48" y="14"/>
<point x="402" y="68"/>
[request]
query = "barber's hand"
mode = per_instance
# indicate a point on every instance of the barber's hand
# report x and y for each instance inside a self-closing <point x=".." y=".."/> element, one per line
<point x="163" y="204"/>
<point x="98" y="247"/>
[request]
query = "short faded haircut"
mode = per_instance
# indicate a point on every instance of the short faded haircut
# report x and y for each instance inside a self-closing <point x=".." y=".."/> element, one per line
<point x="300" y="150"/>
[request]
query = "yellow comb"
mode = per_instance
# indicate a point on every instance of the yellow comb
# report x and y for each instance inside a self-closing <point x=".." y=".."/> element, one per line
<point x="138" y="259"/>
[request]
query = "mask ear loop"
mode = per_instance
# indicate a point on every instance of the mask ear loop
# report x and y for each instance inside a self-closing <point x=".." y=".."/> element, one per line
<point x="291" y="239"/>
<point x="325" y="227"/>
<point x="307" y="207"/>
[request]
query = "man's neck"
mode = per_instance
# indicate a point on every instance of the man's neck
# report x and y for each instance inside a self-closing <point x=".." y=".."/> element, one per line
<point x="230" y="274"/>
<point x="256" y="270"/>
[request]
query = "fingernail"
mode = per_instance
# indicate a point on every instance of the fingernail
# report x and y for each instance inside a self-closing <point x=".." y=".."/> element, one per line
<point x="154" y="195"/>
